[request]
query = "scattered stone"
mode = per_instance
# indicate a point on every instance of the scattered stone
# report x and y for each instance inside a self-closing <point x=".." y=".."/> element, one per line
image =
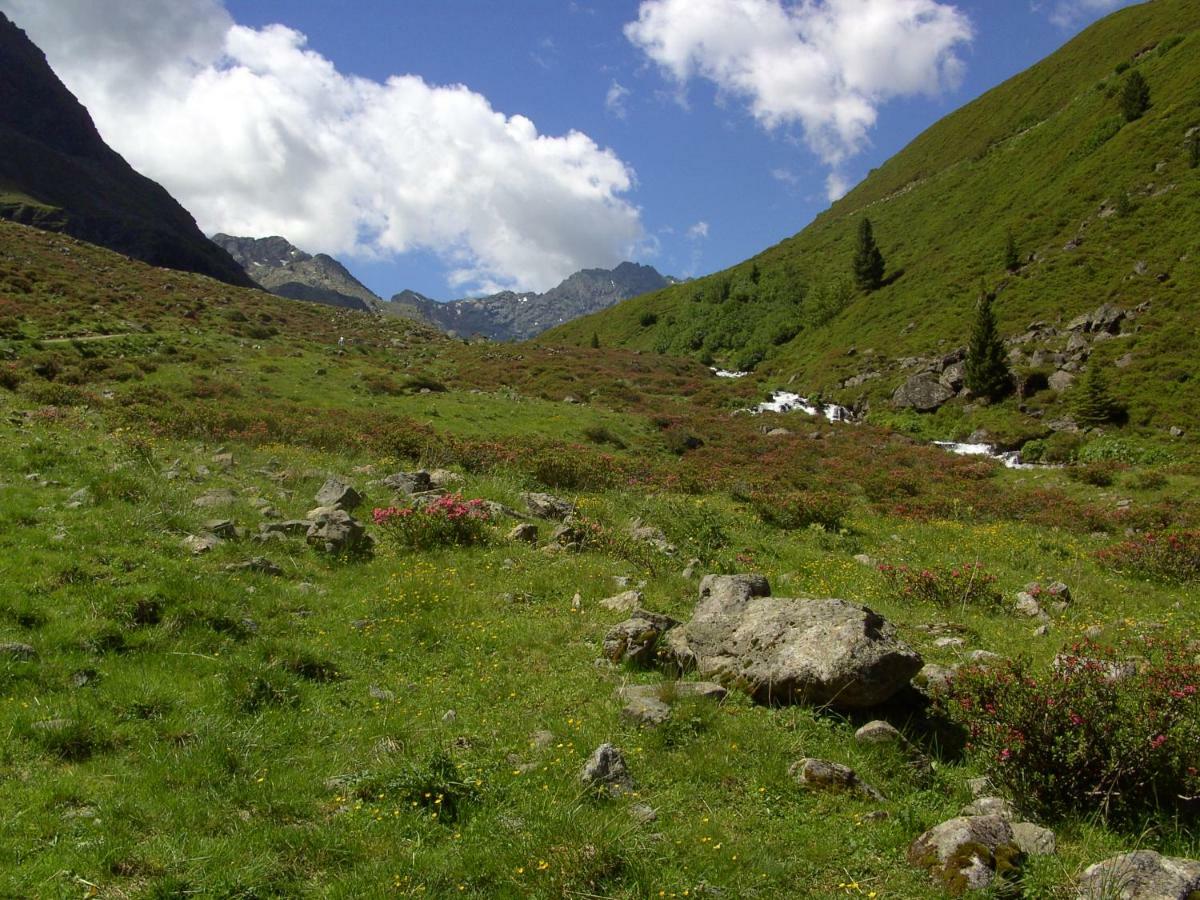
<point x="1141" y="875"/>
<point x="991" y="806"/>
<point x="525" y="533"/>
<point x="338" y="495"/>
<point x="1027" y="605"/>
<point x="879" y="732"/>
<point x="923" y="392"/>
<point x="692" y="568"/>
<point x="823" y="775"/>
<point x="449" y="717"/>
<point x="949" y="643"/>
<point x="778" y="432"/>
<point x="409" y="482"/>
<point x="222" y="528"/>
<point x="286" y="528"/>
<point x="933" y="679"/>
<point x="1034" y="840"/>
<point x="643" y="814"/>
<point x="547" y="506"/>
<point x="258" y="564"/>
<point x="1055" y="591"/>
<point x="625" y="602"/>
<point x="214" y="498"/>
<point x="967" y="853"/>
<point x="864" y="559"/>
<point x="444" y="478"/>
<point x="224" y="460"/>
<point x="568" y="536"/>
<point x="984" y="658"/>
<point x="16" y="650"/>
<point x="606" y="770"/>
<point x="82" y="497"/>
<point x="650" y="704"/>
<point x="541" y="739"/>
<point x="648" y="534"/>
<point x="1105" y="319"/>
<point x="636" y="639"/>
<point x="1176" y="431"/>
<point x="1041" y="631"/>
<point x="981" y="787"/>
<point x="336" y="531"/>
<point x="821" y="651"/>
<point x="381" y="694"/>
<point x="199" y="544"/>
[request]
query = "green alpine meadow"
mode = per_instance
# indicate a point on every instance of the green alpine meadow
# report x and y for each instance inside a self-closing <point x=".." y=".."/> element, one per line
<point x="868" y="567"/>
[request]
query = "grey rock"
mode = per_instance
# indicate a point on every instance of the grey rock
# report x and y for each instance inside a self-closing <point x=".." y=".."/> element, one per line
<point x="214" y="498"/>
<point x="933" y="679"/>
<point x="879" y="732"/>
<point x="606" y="770"/>
<point x="409" y="482"/>
<point x="336" y="531"/>
<point x="949" y="643"/>
<point x="82" y="497"/>
<point x="1061" y="380"/>
<point x="962" y="852"/>
<point x="624" y="602"/>
<point x="980" y="787"/>
<point x="17" y="650"/>
<point x="636" y="639"/>
<point x="825" y="651"/>
<point x="954" y="376"/>
<point x="286" y="528"/>
<point x="199" y="544"/>
<point x="991" y="806"/>
<point x="648" y="534"/>
<point x="339" y="495"/>
<point x="1028" y="606"/>
<point x="1105" y="319"/>
<point x="1034" y="840"/>
<point x="923" y="393"/>
<point x="644" y="706"/>
<point x="643" y="813"/>
<point x="823" y="775"/>
<point x="864" y="559"/>
<point x="258" y="564"/>
<point x="381" y="694"/>
<point x="525" y="533"/>
<point x="222" y="528"/>
<point x="1141" y="875"/>
<point x="547" y="506"/>
<point x="1041" y="631"/>
<point x="1176" y="431"/>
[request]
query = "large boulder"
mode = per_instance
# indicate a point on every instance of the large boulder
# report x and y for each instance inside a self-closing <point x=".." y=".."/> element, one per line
<point x="827" y="651"/>
<point x="967" y="853"/>
<point x="831" y="777"/>
<point x="1106" y="318"/>
<point x="547" y="506"/>
<point x="924" y="393"/>
<point x="1141" y="875"/>
<point x="409" y="482"/>
<point x="605" y="770"/>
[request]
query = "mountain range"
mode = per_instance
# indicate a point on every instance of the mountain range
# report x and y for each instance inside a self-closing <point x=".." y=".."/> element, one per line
<point x="57" y="173"/>
<point x="287" y="271"/>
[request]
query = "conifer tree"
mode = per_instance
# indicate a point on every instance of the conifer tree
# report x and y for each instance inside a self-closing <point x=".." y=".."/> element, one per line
<point x="1135" y="98"/>
<point x="1012" y="256"/>
<point x="987" y="373"/>
<point x="868" y="261"/>
<point x="1094" y="404"/>
<point x="595" y="341"/>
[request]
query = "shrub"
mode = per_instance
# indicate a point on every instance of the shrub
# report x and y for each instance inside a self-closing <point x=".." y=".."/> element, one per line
<point x="447" y="521"/>
<point x="1165" y="556"/>
<point x="10" y="377"/>
<point x="598" y="434"/>
<point x="647" y="319"/>
<point x="967" y="585"/>
<point x="1096" y="731"/>
<point x="1096" y="474"/>
<point x="1135" y="97"/>
<point x="679" y="440"/>
<point x="800" y="509"/>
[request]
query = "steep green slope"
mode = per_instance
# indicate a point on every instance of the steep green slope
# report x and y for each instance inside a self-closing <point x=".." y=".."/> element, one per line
<point x="1101" y="210"/>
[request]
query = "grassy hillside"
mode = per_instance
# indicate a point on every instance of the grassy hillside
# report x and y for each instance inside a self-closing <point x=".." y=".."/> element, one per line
<point x="1100" y="209"/>
<point x="413" y="722"/>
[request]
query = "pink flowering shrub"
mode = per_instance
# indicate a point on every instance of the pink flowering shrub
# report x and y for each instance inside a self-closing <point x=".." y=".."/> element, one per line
<point x="1165" y="556"/>
<point x="447" y="521"/>
<point x="1098" y="732"/>
<point x="967" y="584"/>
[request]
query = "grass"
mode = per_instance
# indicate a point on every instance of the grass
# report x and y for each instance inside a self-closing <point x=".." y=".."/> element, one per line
<point x="187" y="730"/>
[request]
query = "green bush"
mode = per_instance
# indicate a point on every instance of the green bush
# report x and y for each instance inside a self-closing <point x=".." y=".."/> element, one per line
<point x="449" y="521"/>
<point x="1099" y="474"/>
<point x="964" y="585"/>
<point x="1165" y="556"/>
<point x="1135" y="97"/>
<point x="795" y="510"/>
<point x="1097" y="733"/>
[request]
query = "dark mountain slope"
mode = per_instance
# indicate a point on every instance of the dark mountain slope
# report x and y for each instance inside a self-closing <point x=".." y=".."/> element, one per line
<point x="1101" y="209"/>
<point x="57" y="173"/>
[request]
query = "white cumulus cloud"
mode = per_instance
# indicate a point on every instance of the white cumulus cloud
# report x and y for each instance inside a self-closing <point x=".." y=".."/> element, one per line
<point x="1068" y="13"/>
<point x="256" y="134"/>
<point x="823" y="65"/>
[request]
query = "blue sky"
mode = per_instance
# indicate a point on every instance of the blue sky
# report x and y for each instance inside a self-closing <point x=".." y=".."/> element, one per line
<point x="703" y="130"/>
